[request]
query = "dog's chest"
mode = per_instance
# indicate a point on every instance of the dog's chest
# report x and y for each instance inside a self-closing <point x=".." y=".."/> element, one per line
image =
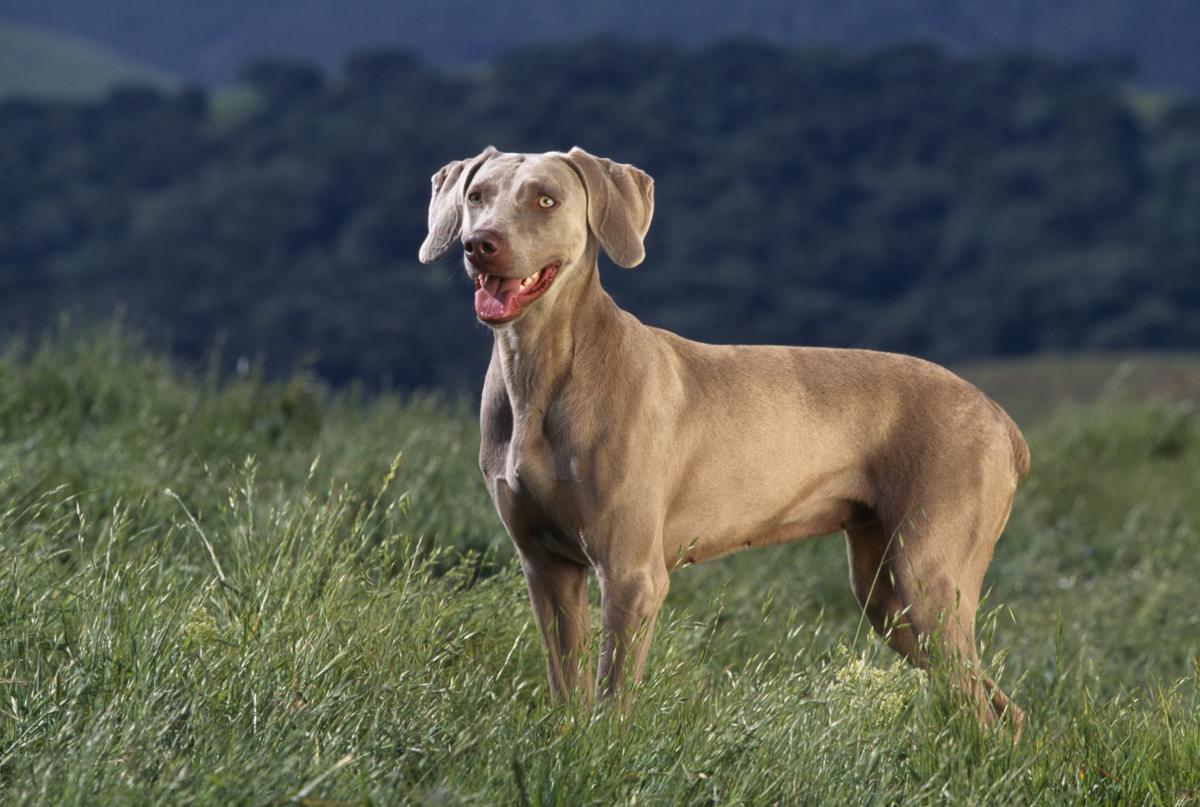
<point x="531" y="480"/>
<point x="532" y="466"/>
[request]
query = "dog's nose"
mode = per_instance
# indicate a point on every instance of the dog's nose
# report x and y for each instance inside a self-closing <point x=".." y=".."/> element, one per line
<point x="484" y="246"/>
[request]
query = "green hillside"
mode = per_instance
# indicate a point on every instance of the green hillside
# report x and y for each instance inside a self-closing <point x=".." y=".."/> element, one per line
<point x="241" y="591"/>
<point x="1033" y="388"/>
<point x="39" y="63"/>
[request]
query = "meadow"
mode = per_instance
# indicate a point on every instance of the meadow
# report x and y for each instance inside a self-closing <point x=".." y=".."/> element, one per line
<point x="236" y="590"/>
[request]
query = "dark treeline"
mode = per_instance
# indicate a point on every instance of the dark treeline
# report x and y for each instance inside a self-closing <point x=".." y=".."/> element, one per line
<point x="904" y="200"/>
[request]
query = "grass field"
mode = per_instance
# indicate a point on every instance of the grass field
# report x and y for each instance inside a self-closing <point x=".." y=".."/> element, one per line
<point x="234" y="591"/>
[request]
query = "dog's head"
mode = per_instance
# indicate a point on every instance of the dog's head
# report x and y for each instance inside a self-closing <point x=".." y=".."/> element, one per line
<point x="527" y="222"/>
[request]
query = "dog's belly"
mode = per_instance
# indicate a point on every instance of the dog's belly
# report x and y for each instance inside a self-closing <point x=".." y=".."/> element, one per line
<point x="705" y="523"/>
<point x="693" y="543"/>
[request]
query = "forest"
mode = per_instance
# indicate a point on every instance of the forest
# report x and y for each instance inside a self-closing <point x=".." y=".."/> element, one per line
<point x="904" y="199"/>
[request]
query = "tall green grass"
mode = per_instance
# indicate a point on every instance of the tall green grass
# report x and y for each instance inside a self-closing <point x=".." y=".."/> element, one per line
<point x="238" y="591"/>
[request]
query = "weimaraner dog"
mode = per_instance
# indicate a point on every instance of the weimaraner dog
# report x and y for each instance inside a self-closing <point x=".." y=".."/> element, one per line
<point x="614" y="446"/>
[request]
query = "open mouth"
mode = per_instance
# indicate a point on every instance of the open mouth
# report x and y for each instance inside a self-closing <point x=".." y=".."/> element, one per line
<point x="499" y="299"/>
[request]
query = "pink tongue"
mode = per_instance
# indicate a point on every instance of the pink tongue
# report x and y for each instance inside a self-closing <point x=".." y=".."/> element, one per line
<point x="497" y="298"/>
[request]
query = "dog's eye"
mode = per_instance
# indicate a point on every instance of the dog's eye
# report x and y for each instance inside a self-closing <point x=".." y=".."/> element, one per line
<point x="546" y="201"/>
<point x="474" y="197"/>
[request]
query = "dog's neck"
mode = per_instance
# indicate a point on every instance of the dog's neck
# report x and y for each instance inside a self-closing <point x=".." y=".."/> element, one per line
<point x="536" y="353"/>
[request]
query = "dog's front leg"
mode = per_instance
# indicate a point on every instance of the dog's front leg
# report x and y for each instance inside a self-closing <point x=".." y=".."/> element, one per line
<point x="629" y="603"/>
<point x="558" y="591"/>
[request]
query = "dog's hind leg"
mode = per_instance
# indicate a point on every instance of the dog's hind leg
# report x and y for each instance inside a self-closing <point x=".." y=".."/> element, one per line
<point x="914" y="594"/>
<point x="868" y="548"/>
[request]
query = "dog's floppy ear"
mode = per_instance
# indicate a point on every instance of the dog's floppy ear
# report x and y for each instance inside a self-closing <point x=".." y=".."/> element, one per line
<point x="445" y="204"/>
<point x="620" y="204"/>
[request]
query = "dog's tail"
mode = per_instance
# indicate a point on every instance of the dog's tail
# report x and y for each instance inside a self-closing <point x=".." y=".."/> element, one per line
<point x="1020" y="448"/>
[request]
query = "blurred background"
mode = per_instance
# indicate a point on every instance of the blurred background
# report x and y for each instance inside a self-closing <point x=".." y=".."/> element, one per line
<point x="958" y="179"/>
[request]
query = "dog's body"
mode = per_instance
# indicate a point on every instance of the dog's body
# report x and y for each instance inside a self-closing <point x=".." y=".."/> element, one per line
<point x="613" y="446"/>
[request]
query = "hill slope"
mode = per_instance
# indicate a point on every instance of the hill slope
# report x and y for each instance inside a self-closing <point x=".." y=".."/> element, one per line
<point x="41" y="64"/>
<point x="208" y="41"/>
